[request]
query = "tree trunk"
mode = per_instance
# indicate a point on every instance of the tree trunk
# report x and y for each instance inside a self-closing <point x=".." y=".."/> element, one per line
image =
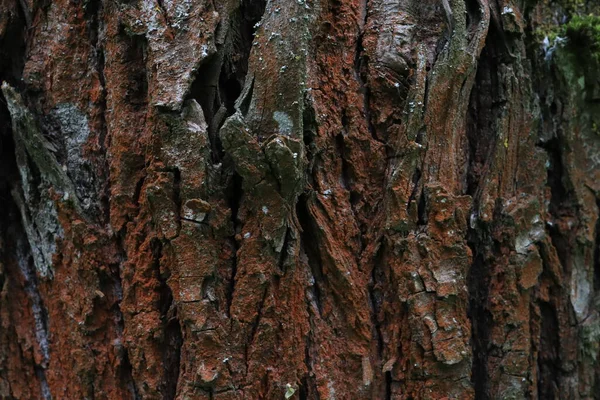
<point x="302" y="199"/>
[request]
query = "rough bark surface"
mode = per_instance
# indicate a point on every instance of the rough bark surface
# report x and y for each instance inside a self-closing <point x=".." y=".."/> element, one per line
<point x="310" y="199"/>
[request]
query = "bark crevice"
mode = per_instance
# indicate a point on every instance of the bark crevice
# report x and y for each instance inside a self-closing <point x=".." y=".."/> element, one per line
<point x="234" y="198"/>
<point x="597" y="251"/>
<point x="562" y="201"/>
<point x="478" y="281"/>
<point x="310" y="247"/>
<point x="221" y="79"/>
<point x="484" y="110"/>
<point x="361" y="67"/>
<point x="172" y="337"/>
<point x="93" y="14"/>
<point x="125" y="369"/>
<point x="548" y="359"/>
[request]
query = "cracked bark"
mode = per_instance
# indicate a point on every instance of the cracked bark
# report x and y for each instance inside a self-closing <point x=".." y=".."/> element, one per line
<point x="382" y="199"/>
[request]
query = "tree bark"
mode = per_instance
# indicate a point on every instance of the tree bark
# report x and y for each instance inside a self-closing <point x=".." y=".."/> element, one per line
<point x="307" y="199"/>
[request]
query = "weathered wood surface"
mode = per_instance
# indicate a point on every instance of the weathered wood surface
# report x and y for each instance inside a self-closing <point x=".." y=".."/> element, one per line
<point x="311" y="199"/>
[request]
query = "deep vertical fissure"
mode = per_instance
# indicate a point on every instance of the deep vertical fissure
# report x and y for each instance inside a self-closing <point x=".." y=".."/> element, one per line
<point x="557" y="122"/>
<point x="235" y="194"/>
<point x="388" y="385"/>
<point x="486" y="242"/>
<point x="308" y="388"/>
<point x="597" y="251"/>
<point x="12" y="53"/>
<point x="562" y="202"/>
<point x="376" y="295"/>
<point x="478" y="286"/>
<point x="254" y="328"/>
<point x="93" y="14"/>
<point x="485" y="108"/>
<point x="137" y="84"/>
<point x="221" y="78"/>
<point x="309" y="258"/>
<point x="361" y="68"/>
<point x="422" y="217"/>
<point x="172" y="353"/>
<point x="416" y="179"/>
<point x="310" y="254"/>
<point x="548" y="362"/>
<point x="173" y="340"/>
<point x="310" y="247"/>
<point x="125" y="369"/>
<point x="283" y="255"/>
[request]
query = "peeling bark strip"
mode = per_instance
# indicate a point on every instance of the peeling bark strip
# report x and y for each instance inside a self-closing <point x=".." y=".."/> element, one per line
<point x="312" y="199"/>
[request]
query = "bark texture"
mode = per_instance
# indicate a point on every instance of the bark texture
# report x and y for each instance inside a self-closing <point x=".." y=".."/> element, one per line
<point x="300" y="199"/>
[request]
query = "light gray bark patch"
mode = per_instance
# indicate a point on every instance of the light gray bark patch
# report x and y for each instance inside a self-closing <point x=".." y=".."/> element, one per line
<point x="581" y="287"/>
<point x="286" y="125"/>
<point x="74" y="132"/>
<point x="40" y="221"/>
<point x="41" y="175"/>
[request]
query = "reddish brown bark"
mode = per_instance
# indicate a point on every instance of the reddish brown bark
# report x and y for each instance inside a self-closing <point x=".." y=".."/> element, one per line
<point x="384" y="199"/>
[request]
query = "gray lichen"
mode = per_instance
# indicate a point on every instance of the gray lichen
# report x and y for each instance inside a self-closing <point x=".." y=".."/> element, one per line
<point x="42" y="177"/>
<point x="75" y="131"/>
<point x="42" y="228"/>
<point x="286" y="125"/>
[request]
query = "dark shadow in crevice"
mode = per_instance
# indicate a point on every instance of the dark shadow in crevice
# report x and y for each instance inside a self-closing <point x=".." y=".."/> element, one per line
<point x="548" y="358"/>
<point x="478" y="285"/>
<point x="310" y="246"/>
<point x="562" y="202"/>
<point x="137" y="80"/>
<point x="125" y="372"/>
<point x="485" y="107"/>
<point x="422" y="209"/>
<point x="13" y="46"/>
<point x="171" y="347"/>
<point x="221" y="78"/>
<point x="234" y="194"/>
<point x="597" y="251"/>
